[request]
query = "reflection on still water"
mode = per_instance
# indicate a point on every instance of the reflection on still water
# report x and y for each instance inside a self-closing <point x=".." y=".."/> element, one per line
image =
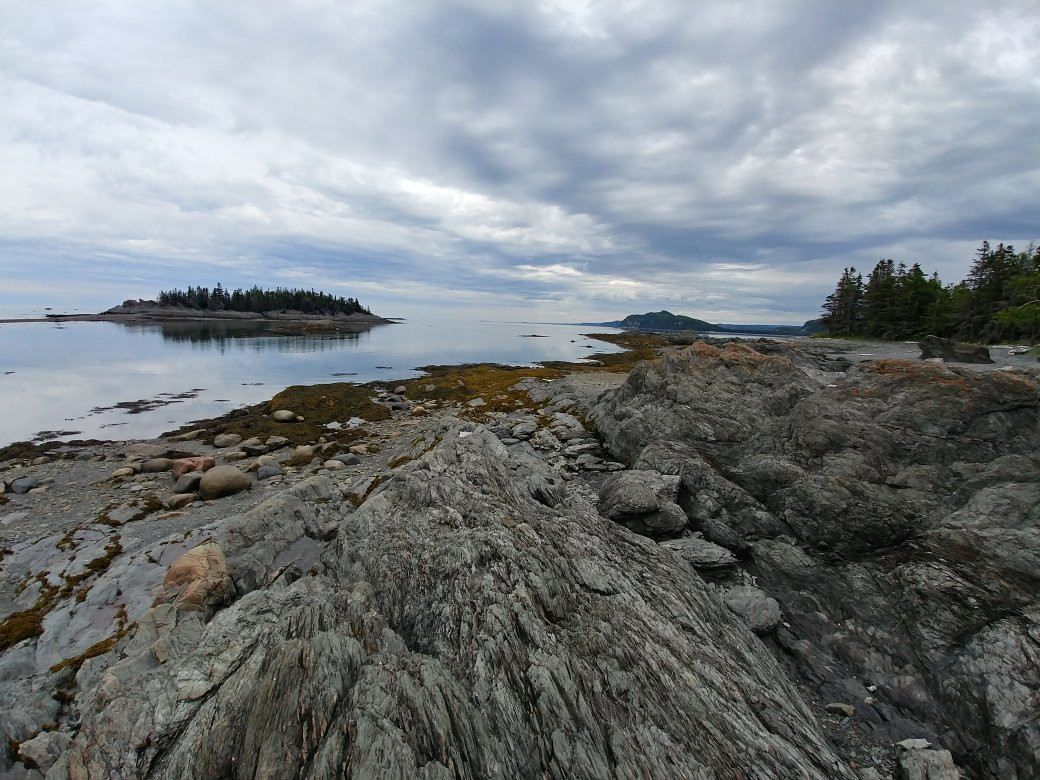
<point x="252" y="335"/>
<point x="87" y="376"/>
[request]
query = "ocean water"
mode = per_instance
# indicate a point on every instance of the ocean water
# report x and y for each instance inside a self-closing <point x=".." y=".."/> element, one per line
<point x="84" y="379"/>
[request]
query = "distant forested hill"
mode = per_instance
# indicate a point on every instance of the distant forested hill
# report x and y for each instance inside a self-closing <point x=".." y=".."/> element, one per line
<point x="665" y="320"/>
<point x="256" y="300"/>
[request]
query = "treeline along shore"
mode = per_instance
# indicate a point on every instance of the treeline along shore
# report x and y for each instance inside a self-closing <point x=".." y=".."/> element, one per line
<point x="998" y="301"/>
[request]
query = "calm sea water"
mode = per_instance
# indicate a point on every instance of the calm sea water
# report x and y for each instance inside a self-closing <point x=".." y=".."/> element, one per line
<point x="68" y="378"/>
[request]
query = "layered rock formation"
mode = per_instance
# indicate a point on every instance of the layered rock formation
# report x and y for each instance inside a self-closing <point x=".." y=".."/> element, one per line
<point x="893" y="510"/>
<point x="471" y="619"/>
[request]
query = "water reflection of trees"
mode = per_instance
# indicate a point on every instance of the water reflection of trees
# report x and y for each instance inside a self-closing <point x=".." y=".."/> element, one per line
<point x="252" y="336"/>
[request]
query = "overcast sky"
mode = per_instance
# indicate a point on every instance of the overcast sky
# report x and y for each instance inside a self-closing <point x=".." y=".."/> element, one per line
<point x="554" y="159"/>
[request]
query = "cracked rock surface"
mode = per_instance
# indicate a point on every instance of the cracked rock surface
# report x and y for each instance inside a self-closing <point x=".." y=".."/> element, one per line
<point x="892" y="509"/>
<point x="455" y="625"/>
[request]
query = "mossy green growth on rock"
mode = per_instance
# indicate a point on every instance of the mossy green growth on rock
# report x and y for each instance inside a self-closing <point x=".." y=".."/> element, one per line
<point x="28" y="623"/>
<point x="491" y="382"/>
<point x="98" y="648"/>
<point x="317" y="404"/>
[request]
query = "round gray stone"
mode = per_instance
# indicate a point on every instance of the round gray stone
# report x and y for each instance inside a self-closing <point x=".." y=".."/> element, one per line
<point x="222" y="481"/>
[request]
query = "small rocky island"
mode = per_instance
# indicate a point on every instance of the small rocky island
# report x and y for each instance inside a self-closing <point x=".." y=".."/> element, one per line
<point x="285" y="310"/>
<point x="701" y="559"/>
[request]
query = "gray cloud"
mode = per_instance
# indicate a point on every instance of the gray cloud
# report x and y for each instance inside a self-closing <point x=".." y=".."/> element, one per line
<point x="560" y="159"/>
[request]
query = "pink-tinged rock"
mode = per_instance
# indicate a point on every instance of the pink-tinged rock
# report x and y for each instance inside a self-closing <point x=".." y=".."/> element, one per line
<point x="197" y="463"/>
<point x="199" y="580"/>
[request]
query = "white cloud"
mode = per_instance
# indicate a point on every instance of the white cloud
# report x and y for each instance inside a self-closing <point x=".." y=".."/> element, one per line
<point x="574" y="156"/>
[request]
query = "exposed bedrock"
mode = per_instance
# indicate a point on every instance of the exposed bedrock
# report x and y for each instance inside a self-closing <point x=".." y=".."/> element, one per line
<point x="471" y="619"/>
<point x="892" y="510"/>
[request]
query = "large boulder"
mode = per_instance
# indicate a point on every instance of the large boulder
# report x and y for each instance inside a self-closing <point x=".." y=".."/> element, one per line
<point x="892" y="512"/>
<point x="643" y="501"/>
<point x="950" y="351"/>
<point x="758" y="609"/>
<point x="222" y="481"/>
<point x="453" y="626"/>
<point x="199" y="580"/>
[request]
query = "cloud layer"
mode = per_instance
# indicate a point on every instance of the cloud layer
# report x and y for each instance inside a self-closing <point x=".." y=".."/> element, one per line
<point x="558" y="160"/>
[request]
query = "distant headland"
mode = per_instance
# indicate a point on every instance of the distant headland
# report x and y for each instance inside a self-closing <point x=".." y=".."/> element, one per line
<point x="666" y="321"/>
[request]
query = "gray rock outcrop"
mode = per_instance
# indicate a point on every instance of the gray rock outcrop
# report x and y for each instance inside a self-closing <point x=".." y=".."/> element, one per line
<point x="643" y="501"/>
<point x="950" y="351"/>
<point x="465" y="621"/>
<point x="894" y="514"/>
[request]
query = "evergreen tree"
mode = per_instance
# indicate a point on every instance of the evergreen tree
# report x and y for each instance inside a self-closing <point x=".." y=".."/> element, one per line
<point x="843" y="308"/>
<point x="880" y="300"/>
<point x="256" y="300"/>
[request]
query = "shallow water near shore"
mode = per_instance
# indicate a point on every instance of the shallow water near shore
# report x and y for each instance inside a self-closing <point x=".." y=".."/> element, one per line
<point x="80" y="380"/>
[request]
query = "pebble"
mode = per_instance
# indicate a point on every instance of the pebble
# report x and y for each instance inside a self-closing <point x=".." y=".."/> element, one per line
<point x="476" y="403"/>
<point x="588" y="461"/>
<point x="348" y="459"/>
<point x="24" y="485"/>
<point x="189" y="436"/>
<point x="126" y="471"/>
<point x="359" y="449"/>
<point x="188" y="483"/>
<point x="283" y="415"/>
<point x="179" y="500"/>
<point x="914" y="744"/>
<point x="144" y="451"/>
<point x="274" y="442"/>
<point x="400" y="389"/>
<point x="334" y="465"/>
<point x="156" y="465"/>
<point x="40" y="461"/>
<point x="226" y="440"/>
<point x="524" y="430"/>
<point x="266" y="472"/>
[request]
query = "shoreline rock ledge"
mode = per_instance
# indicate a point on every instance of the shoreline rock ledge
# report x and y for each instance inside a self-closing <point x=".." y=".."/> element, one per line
<point x="892" y="509"/>
<point x="467" y="620"/>
<point x="810" y="569"/>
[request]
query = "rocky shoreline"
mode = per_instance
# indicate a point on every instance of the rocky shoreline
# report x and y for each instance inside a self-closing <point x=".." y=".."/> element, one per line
<point x="757" y="559"/>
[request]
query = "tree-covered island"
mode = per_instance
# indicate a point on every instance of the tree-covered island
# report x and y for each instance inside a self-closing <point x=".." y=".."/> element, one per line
<point x="258" y="301"/>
